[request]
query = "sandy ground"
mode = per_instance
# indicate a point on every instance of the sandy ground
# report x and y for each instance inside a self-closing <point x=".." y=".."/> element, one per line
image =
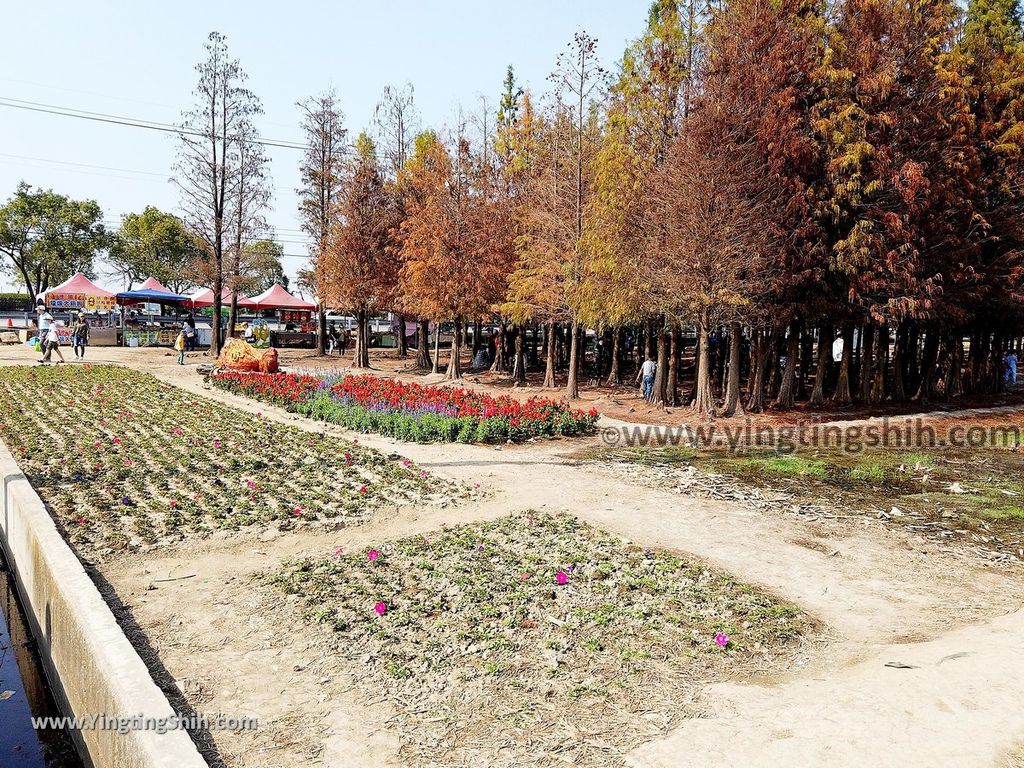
<point x="954" y="627"/>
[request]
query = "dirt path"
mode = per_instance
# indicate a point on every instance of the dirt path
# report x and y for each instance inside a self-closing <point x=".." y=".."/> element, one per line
<point x="883" y="597"/>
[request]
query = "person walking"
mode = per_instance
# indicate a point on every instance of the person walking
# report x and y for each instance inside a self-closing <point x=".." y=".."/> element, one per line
<point x="179" y="344"/>
<point x="52" y="344"/>
<point x="45" y="321"/>
<point x="1010" y="375"/>
<point x="80" y="336"/>
<point x="189" y="329"/>
<point x="646" y="372"/>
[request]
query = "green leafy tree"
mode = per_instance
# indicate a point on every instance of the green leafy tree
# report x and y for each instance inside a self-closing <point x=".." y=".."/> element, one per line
<point x="647" y="101"/>
<point x="990" y="58"/>
<point x="48" y="237"/>
<point x="153" y="244"/>
<point x="261" y="267"/>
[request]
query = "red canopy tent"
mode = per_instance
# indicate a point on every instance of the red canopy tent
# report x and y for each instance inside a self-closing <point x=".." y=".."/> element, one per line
<point x="152" y="284"/>
<point x="79" y="292"/>
<point x="276" y="297"/>
<point x="204" y="298"/>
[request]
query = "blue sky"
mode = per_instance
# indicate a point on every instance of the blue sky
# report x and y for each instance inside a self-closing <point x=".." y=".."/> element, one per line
<point x="136" y="59"/>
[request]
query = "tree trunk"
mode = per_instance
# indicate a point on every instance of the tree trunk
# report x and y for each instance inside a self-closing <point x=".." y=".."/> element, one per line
<point x="672" y="380"/>
<point x="572" y="385"/>
<point x="361" y="357"/>
<point x="867" y="361"/>
<point x="913" y="371"/>
<point x="881" y="363"/>
<point x="321" y="329"/>
<point x="498" y="364"/>
<point x="841" y="395"/>
<point x="995" y="371"/>
<point x="704" y="400"/>
<point x="787" y="389"/>
<point x="821" y="369"/>
<point x="732" y="383"/>
<point x="658" y="392"/>
<point x="549" y="365"/>
<point x="956" y="354"/>
<point x="615" y="374"/>
<point x="403" y="343"/>
<point x="773" y="378"/>
<point x="928" y="356"/>
<point x="899" y="362"/>
<point x="454" y="370"/>
<point x="435" y="364"/>
<point x="758" y="366"/>
<point x="232" y="316"/>
<point x="477" y="332"/>
<point x="216" y="341"/>
<point x="423" y="344"/>
<point x="519" y="364"/>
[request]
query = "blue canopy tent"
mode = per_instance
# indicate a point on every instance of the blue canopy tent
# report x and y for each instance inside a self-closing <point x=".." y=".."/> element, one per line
<point x="150" y="292"/>
<point x="150" y="296"/>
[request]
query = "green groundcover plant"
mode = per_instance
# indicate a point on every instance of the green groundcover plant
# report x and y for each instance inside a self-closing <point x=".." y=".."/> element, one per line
<point x="123" y="460"/>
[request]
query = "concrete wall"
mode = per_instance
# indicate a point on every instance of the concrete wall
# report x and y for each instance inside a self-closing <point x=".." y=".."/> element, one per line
<point x="92" y="667"/>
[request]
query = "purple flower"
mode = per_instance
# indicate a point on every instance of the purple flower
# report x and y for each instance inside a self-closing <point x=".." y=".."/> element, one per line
<point x="721" y="639"/>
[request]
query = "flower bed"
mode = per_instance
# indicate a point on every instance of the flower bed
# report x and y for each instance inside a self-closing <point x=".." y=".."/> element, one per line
<point x="124" y="460"/>
<point x="535" y="634"/>
<point x="410" y="411"/>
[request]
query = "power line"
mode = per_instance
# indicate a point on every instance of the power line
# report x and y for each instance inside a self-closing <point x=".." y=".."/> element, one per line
<point x="82" y="165"/>
<point x="158" y="177"/>
<point x="102" y="117"/>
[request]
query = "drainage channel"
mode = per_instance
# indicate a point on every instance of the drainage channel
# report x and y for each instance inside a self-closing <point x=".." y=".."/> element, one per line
<point x="24" y="694"/>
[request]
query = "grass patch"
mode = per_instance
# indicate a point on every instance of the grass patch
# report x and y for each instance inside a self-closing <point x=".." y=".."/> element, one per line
<point x="922" y="484"/>
<point x="785" y="466"/>
<point x="526" y="615"/>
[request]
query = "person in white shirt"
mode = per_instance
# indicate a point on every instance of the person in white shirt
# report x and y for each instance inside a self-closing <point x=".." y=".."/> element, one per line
<point x="647" y="371"/>
<point x="45" y="321"/>
<point x="51" y="344"/>
<point x="837" y="349"/>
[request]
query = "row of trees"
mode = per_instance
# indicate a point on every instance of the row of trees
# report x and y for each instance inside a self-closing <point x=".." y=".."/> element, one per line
<point x="774" y="173"/>
<point x="46" y="237"/>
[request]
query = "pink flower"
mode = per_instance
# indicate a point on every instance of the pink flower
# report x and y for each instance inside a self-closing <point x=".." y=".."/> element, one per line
<point x="81" y="521"/>
<point x="338" y="551"/>
<point x="721" y="639"/>
<point x="381" y="608"/>
<point x="297" y="511"/>
<point x="362" y="489"/>
<point x="524" y="577"/>
<point x="250" y="485"/>
<point x="174" y="504"/>
<point x="372" y="555"/>
<point x="423" y="473"/>
<point x="127" y="462"/>
<point x="97" y="443"/>
<point x="562" y="577"/>
<point x="178" y="432"/>
<point x="216" y="443"/>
